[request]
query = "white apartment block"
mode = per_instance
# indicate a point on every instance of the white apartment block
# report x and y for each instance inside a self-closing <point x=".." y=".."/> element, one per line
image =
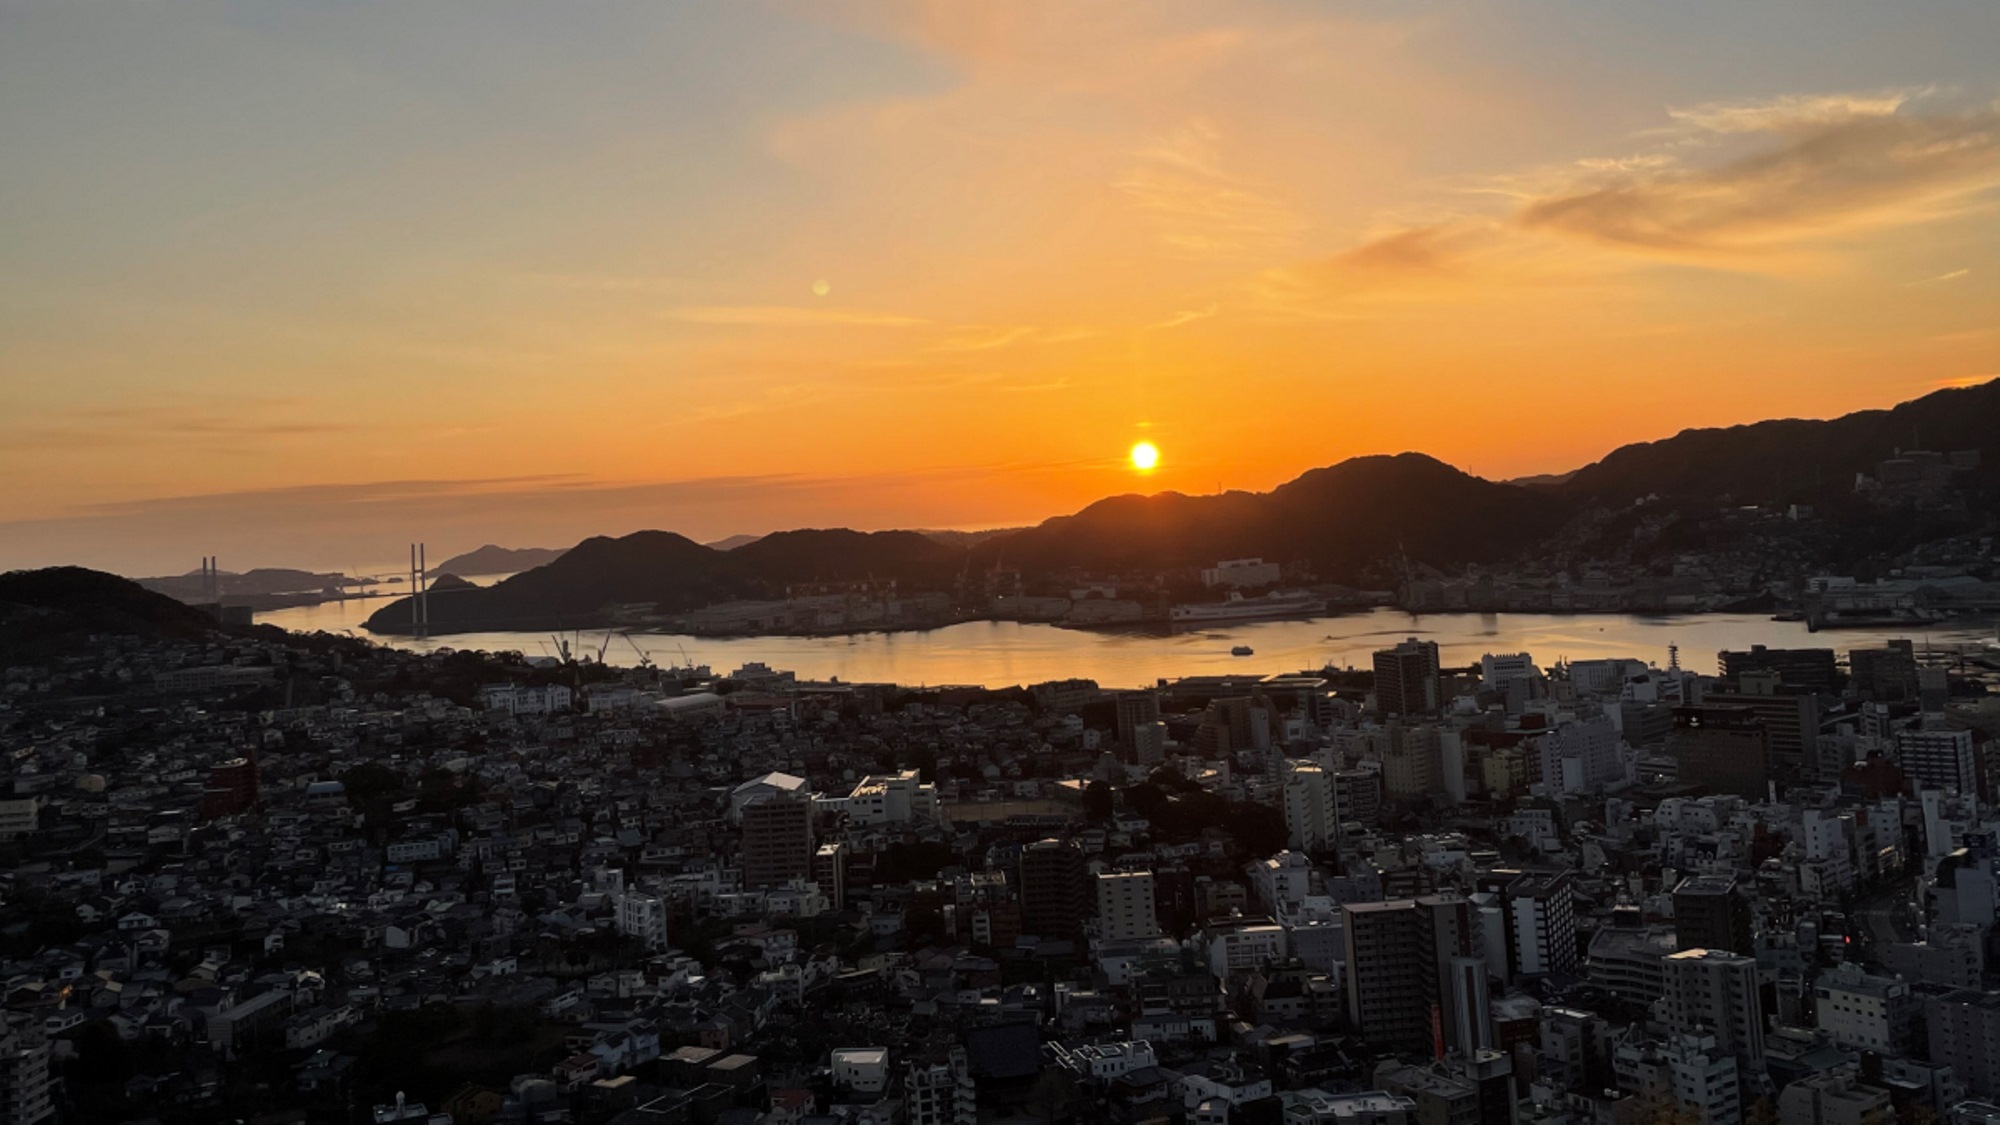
<point x="1937" y="759"/>
<point x="1125" y="906"/>
<point x="1864" y="1011"/>
<point x="1244" y="948"/>
<point x="1312" y="819"/>
<point x="891" y="798"/>
<point x="1282" y="882"/>
<point x="644" y="917"/>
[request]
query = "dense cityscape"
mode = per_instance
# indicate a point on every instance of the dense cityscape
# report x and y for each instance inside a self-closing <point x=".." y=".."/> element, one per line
<point x="1000" y="562"/>
<point x="255" y="875"/>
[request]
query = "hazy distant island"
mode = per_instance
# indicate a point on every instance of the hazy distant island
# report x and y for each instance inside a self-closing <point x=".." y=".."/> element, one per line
<point x="493" y="559"/>
<point x="262" y="588"/>
<point x="1842" y="521"/>
<point x="733" y="542"/>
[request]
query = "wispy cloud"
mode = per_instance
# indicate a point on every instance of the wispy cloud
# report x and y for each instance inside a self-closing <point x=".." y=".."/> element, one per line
<point x="610" y="283"/>
<point x="1791" y="111"/>
<point x="982" y="338"/>
<point x="1832" y="165"/>
<point x="1426" y="249"/>
<point x="336" y="495"/>
<point x="1441" y="260"/>
<point x="367" y="522"/>
<point x="1199" y="210"/>
<point x="105" y="427"/>
<point x="1186" y="316"/>
<point x="790" y="316"/>
<point x="1954" y="275"/>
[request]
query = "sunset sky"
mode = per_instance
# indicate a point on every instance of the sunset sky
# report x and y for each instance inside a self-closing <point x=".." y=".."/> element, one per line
<point x="295" y="283"/>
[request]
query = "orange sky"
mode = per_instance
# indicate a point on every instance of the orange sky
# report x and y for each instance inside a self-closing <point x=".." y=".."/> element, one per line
<point x="294" y="285"/>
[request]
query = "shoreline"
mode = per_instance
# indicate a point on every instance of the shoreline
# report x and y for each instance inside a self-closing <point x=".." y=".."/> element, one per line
<point x="1144" y="628"/>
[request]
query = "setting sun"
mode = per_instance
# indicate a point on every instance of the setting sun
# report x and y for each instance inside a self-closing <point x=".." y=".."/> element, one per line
<point x="1145" y="456"/>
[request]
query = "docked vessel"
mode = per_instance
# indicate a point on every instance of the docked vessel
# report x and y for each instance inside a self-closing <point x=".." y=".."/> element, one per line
<point x="1852" y="618"/>
<point x="1277" y="603"/>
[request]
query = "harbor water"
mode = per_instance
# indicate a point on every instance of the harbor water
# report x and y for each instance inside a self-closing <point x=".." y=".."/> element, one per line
<point x="1004" y="653"/>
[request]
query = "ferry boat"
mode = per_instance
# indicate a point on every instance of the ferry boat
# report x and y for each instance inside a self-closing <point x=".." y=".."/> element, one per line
<point x="1277" y="603"/>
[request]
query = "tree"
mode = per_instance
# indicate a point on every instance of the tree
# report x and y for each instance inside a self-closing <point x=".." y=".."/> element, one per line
<point x="1097" y="802"/>
<point x="1662" y="1109"/>
<point x="1053" y="1095"/>
<point x="923" y="927"/>
<point x="370" y="780"/>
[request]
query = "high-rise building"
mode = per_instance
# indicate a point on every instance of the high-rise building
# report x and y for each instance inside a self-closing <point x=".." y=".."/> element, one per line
<point x="1582" y="756"/>
<point x="829" y="871"/>
<point x="1388" y="1000"/>
<point x="1491" y="1072"/>
<point x="1541" y="923"/>
<point x="777" y="839"/>
<point x="25" y="1084"/>
<point x="1790" y="715"/>
<point x="1406" y="678"/>
<point x="1964" y="1034"/>
<point x="1811" y="668"/>
<point x="1410" y="964"/>
<point x="1125" y="906"/>
<point x="1134" y="710"/>
<point x="1725" y="749"/>
<point x="1357" y="795"/>
<point x="1575" y="1050"/>
<point x="232" y="788"/>
<point x="1708" y="991"/>
<point x="1246" y="718"/>
<point x="1496" y="672"/>
<point x="1938" y="759"/>
<point x="1711" y="913"/>
<point x="1887" y="674"/>
<point x="1053" y="893"/>
<point x="1866" y="1011"/>
<point x="1312" y="820"/>
<point x="1469" y="1001"/>
<point x="1933" y="689"/>
<point x="1411" y="763"/>
<point x="1149" y="743"/>
<point x="1706" y="1077"/>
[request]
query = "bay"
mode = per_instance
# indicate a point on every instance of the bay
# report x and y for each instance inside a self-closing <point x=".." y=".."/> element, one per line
<point x="1003" y="653"/>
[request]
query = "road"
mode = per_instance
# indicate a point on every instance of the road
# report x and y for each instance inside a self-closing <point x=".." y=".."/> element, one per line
<point x="1885" y="918"/>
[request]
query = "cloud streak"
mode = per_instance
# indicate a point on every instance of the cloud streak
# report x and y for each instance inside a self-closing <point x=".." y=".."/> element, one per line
<point x="1791" y="111"/>
<point x="1200" y="210"/>
<point x="1954" y="275"/>
<point x="1830" y="167"/>
<point x="790" y="316"/>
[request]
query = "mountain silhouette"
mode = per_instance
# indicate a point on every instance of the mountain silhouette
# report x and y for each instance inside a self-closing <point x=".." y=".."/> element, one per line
<point x="1362" y="520"/>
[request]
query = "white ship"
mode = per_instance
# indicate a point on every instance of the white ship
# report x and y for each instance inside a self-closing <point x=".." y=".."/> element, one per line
<point x="1277" y="603"/>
